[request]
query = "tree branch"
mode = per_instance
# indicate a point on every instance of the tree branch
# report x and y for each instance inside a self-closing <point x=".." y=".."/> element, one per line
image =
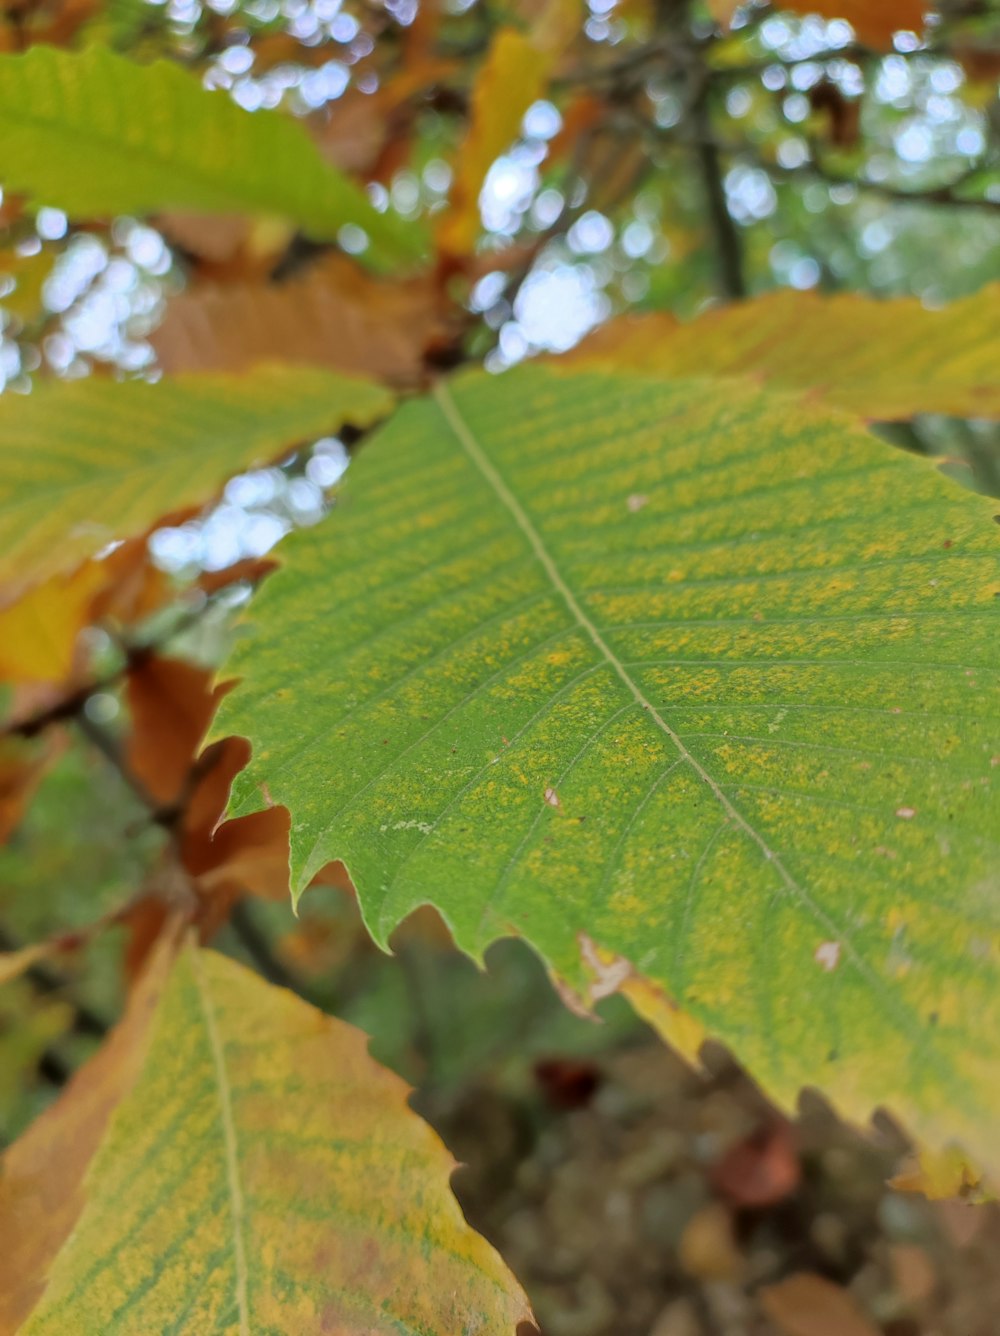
<point x="728" y="243"/>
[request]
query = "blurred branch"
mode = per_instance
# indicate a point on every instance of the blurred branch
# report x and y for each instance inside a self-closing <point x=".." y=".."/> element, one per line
<point x="932" y="195"/>
<point x="258" y="947"/>
<point x="728" y="243"/>
<point x="52" y="1066"/>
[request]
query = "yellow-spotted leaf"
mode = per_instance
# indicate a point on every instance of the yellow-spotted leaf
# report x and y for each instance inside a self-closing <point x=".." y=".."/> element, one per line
<point x="882" y="359"/>
<point x="687" y="682"/>
<point x="95" y="134"/>
<point x="86" y="462"/>
<point x="261" y="1173"/>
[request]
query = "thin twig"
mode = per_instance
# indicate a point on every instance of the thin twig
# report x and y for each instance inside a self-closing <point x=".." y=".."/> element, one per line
<point x="728" y="243"/>
<point x="258" y="947"/>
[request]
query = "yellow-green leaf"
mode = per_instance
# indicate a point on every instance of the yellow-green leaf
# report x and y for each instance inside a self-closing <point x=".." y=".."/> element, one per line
<point x="882" y="359"/>
<point x="688" y="683"/>
<point x="95" y="134"/>
<point x="262" y="1173"/>
<point x="86" y="462"/>
<point x="512" y="78"/>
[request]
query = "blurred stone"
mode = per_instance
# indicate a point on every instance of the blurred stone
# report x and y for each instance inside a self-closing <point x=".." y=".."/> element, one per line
<point x="912" y="1272"/>
<point x="708" y="1248"/>
<point x="679" y="1318"/>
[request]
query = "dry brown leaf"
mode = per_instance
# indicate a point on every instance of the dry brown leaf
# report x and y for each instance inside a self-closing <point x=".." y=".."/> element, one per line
<point x="229" y="247"/>
<point x="171" y="704"/>
<point x="41" y="1183"/>
<point x="134" y="588"/>
<point x="874" y="21"/>
<point x="251" y="569"/>
<point x="22" y="765"/>
<point x="334" y="315"/>
<point x="364" y="133"/>
<point x="807" y="1305"/>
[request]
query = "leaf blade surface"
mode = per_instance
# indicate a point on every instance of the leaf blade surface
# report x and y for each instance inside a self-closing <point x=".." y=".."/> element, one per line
<point x="84" y="463"/>
<point x="880" y="358"/>
<point x="95" y="134"/>
<point x="688" y="685"/>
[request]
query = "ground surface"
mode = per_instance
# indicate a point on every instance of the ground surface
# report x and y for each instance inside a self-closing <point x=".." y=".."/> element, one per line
<point x="664" y="1204"/>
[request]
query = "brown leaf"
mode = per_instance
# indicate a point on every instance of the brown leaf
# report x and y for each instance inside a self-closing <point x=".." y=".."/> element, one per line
<point x="133" y="587"/>
<point x="807" y="1305"/>
<point x="41" y="1183"/>
<point x="171" y="704"/>
<point x="874" y="21"/>
<point x="251" y="569"/>
<point x="228" y="247"/>
<point x="22" y="765"/>
<point x="228" y="859"/>
<point x="843" y="114"/>
<point x="760" y="1170"/>
<point x="360" y="131"/>
<point x="333" y="315"/>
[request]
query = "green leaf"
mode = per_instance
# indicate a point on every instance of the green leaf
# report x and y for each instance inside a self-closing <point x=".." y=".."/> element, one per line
<point x="694" y="686"/>
<point x="257" y="1172"/>
<point x="85" y="462"/>
<point x="94" y="134"/>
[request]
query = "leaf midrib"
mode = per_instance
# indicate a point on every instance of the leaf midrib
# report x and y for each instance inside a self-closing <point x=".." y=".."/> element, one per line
<point x="477" y="456"/>
<point x="228" y="1123"/>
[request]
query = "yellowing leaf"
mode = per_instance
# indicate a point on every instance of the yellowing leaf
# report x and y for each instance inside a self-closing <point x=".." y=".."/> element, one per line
<point x="261" y="1173"/>
<point x="684" y="681"/>
<point x="28" y="274"/>
<point x="41" y="1175"/>
<point x="334" y="315"/>
<point x="38" y="631"/>
<point x="83" y="463"/>
<point x="512" y="78"/>
<point x="93" y="134"/>
<point x="882" y="359"/>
